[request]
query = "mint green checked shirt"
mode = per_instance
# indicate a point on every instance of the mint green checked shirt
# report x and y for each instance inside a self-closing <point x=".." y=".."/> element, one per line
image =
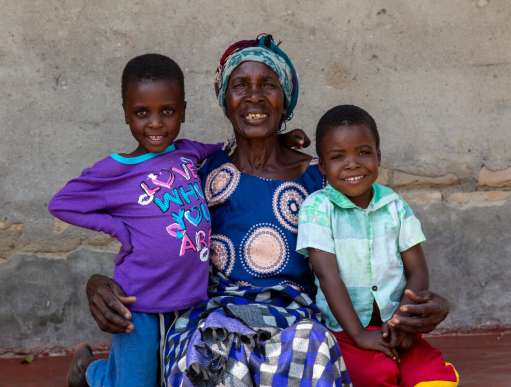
<point x="367" y="244"/>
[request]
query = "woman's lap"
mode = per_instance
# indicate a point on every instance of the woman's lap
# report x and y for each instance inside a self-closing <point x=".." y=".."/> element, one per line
<point x="292" y="349"/>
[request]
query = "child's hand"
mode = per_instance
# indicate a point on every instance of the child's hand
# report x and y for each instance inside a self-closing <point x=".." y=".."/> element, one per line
<point x="375" y="341"/>
<point x="397" y="338"/>
<point x="296" y="138"/>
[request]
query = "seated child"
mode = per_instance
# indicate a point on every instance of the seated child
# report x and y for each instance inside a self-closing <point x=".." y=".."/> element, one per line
<point x="150" y="200"/>
<point x="364" y="246"/>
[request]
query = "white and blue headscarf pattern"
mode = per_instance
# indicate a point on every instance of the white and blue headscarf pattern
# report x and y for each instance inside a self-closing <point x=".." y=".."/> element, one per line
<point x="271" y="55"/>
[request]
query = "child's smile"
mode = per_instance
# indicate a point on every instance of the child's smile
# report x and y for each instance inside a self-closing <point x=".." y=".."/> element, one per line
<point x="154" y="111"/>
<point x="350" y="161"/>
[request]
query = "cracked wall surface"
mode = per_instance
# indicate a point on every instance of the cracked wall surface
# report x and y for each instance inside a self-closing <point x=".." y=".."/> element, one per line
<point x="435" y="75"/>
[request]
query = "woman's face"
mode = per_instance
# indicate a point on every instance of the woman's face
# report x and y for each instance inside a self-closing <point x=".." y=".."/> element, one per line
<point x="254" y="101"/>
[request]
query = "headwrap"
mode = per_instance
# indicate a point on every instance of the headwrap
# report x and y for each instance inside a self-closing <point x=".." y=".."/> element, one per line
<point x="265" y="50"/>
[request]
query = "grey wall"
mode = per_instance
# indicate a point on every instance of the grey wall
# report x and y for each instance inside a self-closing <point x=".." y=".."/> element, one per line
<point x="435" y="74"/>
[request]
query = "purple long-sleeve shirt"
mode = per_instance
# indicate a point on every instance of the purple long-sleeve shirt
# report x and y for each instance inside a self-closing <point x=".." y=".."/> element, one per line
<point x="154" y="205"/>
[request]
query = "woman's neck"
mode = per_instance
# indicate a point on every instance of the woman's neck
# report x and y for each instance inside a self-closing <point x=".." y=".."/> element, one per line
<point x="257" y="156"/>
<point x="268" y="158"/>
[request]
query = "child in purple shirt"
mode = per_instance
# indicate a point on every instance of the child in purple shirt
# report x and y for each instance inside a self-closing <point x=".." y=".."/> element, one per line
<point x="150" y="200"/>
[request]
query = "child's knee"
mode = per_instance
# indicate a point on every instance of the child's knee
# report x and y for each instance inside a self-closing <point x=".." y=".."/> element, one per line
<point x="380" y="371"/>
<point x="444" y="375"/>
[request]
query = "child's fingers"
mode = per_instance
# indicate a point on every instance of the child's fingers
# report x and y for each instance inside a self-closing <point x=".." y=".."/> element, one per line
<point x="395" y="354"/>
<point x="393" y="321"/>
<point x="394" y="338"/>
<point x="304" y="141"/>
<point x="387" y="351"/>
<point x="385" y="332"/>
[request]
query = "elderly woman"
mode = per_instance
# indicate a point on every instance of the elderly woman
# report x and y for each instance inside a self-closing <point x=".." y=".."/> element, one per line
<point x="260" y="325"/>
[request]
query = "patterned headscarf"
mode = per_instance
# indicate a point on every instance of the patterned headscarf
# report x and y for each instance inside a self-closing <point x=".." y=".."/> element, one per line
<point x="265" y="50"/>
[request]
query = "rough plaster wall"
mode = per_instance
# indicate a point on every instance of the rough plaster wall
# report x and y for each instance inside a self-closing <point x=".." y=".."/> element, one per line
<point x="435" y="75"/>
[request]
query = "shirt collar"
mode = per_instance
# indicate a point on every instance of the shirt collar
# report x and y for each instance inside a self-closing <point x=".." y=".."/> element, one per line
<point x="381" y="197"/>
<point x="141" y="158"/>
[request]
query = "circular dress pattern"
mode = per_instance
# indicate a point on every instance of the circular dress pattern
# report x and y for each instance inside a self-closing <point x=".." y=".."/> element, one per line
<point x="222" y="253"/>
<point x="264" y="250"/>
<point x="287" y="199"/>
<point x="221" y="183"/>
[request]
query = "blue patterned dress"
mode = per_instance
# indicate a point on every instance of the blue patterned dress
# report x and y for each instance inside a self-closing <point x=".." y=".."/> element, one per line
<point x="260" y="326"/>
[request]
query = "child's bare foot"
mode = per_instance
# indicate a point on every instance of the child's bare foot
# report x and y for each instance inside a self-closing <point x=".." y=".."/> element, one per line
<point x="82" y="358"/>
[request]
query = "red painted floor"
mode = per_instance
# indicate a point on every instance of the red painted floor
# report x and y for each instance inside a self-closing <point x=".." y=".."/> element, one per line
<point x="483" y="360"/>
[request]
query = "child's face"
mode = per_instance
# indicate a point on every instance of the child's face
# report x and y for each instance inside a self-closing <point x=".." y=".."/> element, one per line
<point x="350" y="160"/>
<point x="154" y="111"/>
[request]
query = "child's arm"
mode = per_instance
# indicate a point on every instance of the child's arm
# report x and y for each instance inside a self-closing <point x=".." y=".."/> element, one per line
<point x="416" y="271"/>
<point x="325" y="267"/>
<point x="417" y="280"/>
<point x="295" y="138"/>
<point x="205" y="150"/>
<point x="81" y="203"/>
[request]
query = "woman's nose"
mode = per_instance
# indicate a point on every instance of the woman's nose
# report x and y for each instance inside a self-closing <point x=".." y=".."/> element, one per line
<point x="255" y="93"/>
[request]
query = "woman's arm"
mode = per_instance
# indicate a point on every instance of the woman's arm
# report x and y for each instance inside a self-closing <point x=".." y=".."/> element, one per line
<point x="325" y="267"/>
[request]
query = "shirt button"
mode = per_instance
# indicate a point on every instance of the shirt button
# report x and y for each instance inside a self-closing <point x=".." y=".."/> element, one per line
<point x="374" y="288"/>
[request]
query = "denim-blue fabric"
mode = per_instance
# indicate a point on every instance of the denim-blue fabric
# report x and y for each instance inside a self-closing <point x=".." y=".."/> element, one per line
<point x="134" y="359"/>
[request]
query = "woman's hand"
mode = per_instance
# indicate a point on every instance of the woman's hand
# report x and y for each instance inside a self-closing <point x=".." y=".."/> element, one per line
<point x="296" y="138"/>
<point x="107" y="304"/>
<point x="374" y="340"/>
<point x="423" y="315"/>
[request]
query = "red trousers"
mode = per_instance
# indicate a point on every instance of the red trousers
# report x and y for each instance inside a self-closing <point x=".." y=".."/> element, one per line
<point x="420" y="366"/>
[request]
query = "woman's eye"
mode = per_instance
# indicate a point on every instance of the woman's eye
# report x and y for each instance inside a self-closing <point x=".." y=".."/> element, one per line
<point x="141" y="113"/>
<point x="364" y="153"/>
<point x="270" y="85"/>
<point x="168" y="112"/>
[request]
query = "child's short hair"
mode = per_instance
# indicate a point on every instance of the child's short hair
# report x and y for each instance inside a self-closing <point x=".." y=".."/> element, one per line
<point x="152" y="67"/>
<point x="345" y="115"/>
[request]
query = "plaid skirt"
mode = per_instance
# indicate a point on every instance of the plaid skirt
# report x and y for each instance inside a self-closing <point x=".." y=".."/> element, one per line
<point x="249" y="336"/>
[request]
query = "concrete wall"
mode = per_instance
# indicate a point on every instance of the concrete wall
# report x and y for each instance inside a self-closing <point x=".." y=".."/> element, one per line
<point x="435" y="74"/>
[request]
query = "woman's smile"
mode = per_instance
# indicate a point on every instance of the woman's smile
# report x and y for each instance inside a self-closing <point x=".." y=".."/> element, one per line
<point x="255" y="118"/>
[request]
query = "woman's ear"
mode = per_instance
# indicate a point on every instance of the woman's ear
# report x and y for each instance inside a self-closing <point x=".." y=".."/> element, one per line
<point x="379" y="157"/>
